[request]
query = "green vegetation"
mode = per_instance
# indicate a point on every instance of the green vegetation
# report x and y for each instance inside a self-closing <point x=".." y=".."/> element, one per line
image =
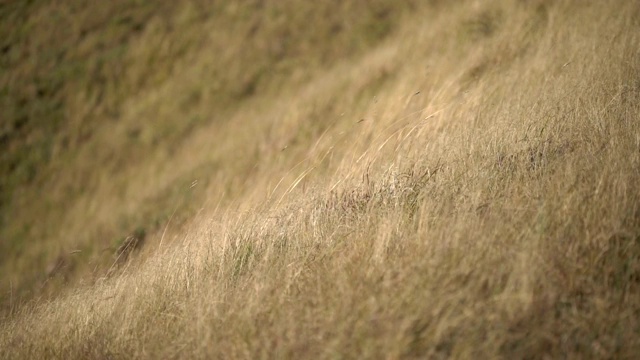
<point x="291" y="179"/>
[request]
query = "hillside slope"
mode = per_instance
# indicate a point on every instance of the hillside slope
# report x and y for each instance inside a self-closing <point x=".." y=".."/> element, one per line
<point x="102" y="105"/>
<point x="462" y="186"/>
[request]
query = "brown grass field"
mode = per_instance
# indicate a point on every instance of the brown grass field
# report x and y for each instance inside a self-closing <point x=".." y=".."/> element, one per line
<point x="311" y="180"/>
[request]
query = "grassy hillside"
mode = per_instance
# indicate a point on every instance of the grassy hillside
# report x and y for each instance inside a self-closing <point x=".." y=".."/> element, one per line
<point x="102" y="105"/>
<point x="334" y="180"/>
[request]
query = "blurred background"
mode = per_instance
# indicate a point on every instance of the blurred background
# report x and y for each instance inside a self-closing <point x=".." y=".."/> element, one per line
<point x="116" y="115"/>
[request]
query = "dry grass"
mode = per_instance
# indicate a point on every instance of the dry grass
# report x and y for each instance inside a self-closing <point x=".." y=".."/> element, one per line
<point x="100" y="116"/>
<point x="465" y="189"/>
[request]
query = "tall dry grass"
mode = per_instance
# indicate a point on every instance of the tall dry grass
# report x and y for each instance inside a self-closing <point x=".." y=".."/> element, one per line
<point x="480" y="202"/>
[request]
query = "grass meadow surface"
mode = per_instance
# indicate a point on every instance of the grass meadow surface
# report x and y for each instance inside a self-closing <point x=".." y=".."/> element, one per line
<point x="284" y="179"/>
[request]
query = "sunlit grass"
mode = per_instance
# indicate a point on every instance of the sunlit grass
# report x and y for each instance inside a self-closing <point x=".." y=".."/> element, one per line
<point x="464" y="188"/>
